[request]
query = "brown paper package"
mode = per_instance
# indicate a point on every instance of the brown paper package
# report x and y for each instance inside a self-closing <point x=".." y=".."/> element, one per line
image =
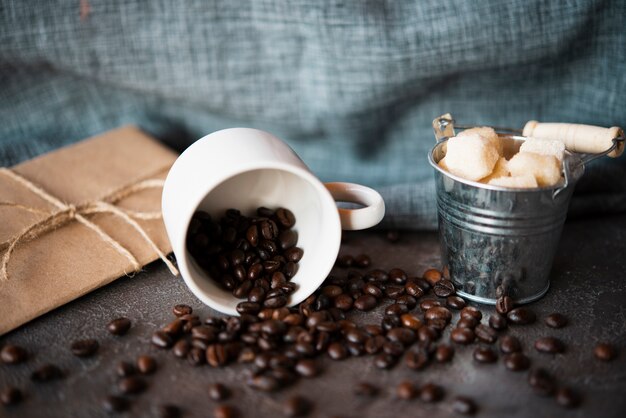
<point x="72" y="260"/>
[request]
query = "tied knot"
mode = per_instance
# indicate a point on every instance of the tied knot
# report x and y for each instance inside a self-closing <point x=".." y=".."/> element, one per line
<point x="68" y="212"/>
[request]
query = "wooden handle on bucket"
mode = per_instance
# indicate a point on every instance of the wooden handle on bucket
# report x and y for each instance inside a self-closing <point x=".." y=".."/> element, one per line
<point x="586" y="139"/>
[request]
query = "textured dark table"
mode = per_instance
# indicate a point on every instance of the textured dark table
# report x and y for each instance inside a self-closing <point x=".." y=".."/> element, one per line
<point x="588" y="286"/>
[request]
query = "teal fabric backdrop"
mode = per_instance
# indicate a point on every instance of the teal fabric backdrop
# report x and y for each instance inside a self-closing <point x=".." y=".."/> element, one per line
<point x="352" y="85"/>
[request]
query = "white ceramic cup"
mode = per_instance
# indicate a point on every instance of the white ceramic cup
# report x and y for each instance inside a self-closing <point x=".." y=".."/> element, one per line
<point x="244" y="169"/>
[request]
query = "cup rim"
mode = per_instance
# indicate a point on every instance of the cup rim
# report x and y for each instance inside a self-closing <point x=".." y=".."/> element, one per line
<point x="297" y="296"/>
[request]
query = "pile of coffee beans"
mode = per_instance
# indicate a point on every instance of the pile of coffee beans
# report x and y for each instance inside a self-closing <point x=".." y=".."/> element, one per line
<point x="255" y="258"/>
<point x="424" y="322"/>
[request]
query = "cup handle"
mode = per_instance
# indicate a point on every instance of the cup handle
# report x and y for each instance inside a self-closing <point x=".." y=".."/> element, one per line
<point x="362" y="218"/>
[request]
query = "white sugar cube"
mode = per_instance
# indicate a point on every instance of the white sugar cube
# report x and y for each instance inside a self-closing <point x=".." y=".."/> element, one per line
<point x="470" y="157"/>
<point x="484" y="132"/>
<point x="545" y="168"/>
<point x="518" y="182"/>
<point x="544" y="147"/>
<point x="499" y="170"/>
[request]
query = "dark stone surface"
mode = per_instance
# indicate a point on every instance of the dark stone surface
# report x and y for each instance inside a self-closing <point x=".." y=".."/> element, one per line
<point x="588" y="286"/>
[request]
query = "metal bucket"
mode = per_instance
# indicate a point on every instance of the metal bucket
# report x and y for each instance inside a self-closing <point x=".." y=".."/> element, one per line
<point x="497" y="240"/>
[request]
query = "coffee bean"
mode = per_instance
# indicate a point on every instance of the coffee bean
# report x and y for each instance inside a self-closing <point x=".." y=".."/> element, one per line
<point x="568" y="398"/>
<point x="397" y="276"/>
<point x="365" y="303"/>
<point x="556" y="320"/>
<point x="146" y="364"/>
<point x="125" y="369"/>
<point x="541" y="382"/>
<point x="455" y="302"/>
<point x="444" y="288"/>
<point x="462" y="335"/>
<point x="10" y="396"/>
<point x="605" y="352"/>
<point x="413" y="289"/>
<point x="427" y="334"/>
<point x="344" y="302"/>
<point x="362" y="261"/>
<point x="426" y="304"/>
<point x="47" y="373"/>
<point x="411" y="321"/>
<point x="168" y="411"/>
<point x="263" y="383"/>
<point x="248" y="307"/>
<point x="345" y="260"/>
<point x="13" y="354"/>
<point x="218" y="392"/>
<point x="464" y="406"/>
<point x="432" y="276"/>
<point x="113" y="403"/>
<point x="180" y="310"/>
<point x="366" y="390"/>
<point x="285" y="218"/>
<point x="204" y="333"/>
<point x="287" y="239"/>
<point x="404" y="336"/>
<point x="485" y="334"/>
<point x="162" y="339"/>
<point x="372" y="289"/>
<point x="307" y="368"/>
<point x="497" y="322"/>
<point x="438" y="312"/>
<point x="416" y="359"/>
<point x="471" y="312"/>
<point x="119" y="326"/>
<point x="549" y="345"/>
<point x="275" y="302"/>
<point x="521" y="316"/>
<point x="225" y="411"/>
<point x="485" y="355"/>
<point x="384" y="361"/>
<point x="431" y="393"/>
<point x="375" y="344"/>
<point x="510" y="344"/>
<point x="396" y="309"/>
<point x="337" y="351"/>
<point x="181" y="348"/>
<point x="85" y="348"/>
<point x="132" y="385"/>
<point x="406" y="391"/>
<point x="516" y="361"/>
<point x="216" y="355"/>
<point x="297" y="406"/>
<point x="467" y="322"/>
<point x="504" y="305"/>
<point x="444" y="353"/>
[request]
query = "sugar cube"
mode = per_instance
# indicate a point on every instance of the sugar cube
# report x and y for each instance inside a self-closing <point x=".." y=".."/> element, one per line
<point x="545" y="168"/>
<point x="544" y="147"/>
<point x="486" y="133"/>
<point x="470" y="157"/>
<point x="499" y="170"/>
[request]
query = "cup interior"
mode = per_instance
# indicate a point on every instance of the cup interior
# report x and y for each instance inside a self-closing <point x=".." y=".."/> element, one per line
<point x="317" y="226"/>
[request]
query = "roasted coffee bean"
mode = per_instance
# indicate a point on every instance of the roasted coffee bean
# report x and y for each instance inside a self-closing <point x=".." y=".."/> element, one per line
<point x="521" y="316"/>
<point x="391" y="321"/>
<point x="411" y="321"/>
<point x="196" y="356"/>
<point x="568" y="398"/>
<point x="285" y="217"/>
<point x="464" y="406"/>
<point x="604" y="352"/>
<point x="397" y="276"/>
<point x="218" y="392"/>
<point x="455" y="302"/>
<point x="162" y="339"/>
<point x="556" y="320"/>
<point x="485" y="355"/>
<point x="294" y="254"/>
<point x="432" y="276"/>
<point x="337" y="351"/>
<point x="269" y="229"/>
<point x="444" y="288"/>
<point x="113" y="403"/>
<point x="467" y="322"/>
<point x="384" y="361"/>
<point x="47" y="373"/>
<point x="287" y="239"/>
<point x="10" y="396"/>
<point x="263" y="383"/>
<point x="366" y="390"/>
<point x="125" y="369"/>
<point x="497" y="322"/>
<point x="427" y="334"/>
<point x="439" y="324"/>
<point x="216" y="355"/>
<point x="356" y="335"/>
<point x="516" y="361"/>
<point x="416" y="359"/>
<point x="413" y="289"/>
<point x="13" y="354"/>
<point x="132" y="385"/>
<point x="365" y="303"/>
<point x="426" y="304"/>
<point x="485" y="334"/>
<point x="471" y="312"/>
<point x="174" y="328"/>
<point x="504" y="305"/>
<point x="225" y="411"/>
<point x="438" y="312"/>
<point x="406" y="391"/>
<point x="372" y="289"/>
<point x="180" y="310"/>
<point x="404" y="336"/>
<point x="541" y="382"/>
<point x="181" y="348"/>
<point x="345" y="260"/>
<point x="146" y="364"/>
<point x="549" y="345"/>
<point x="375" y="344"/>
<point x="431" y="393"/>
<point x="444" y="353"/>
<point x="307" y="368"/>
<point x="462" y="335"/>
<point x="362" y="261"/>
<point x="396" y="309"/>
<point x="275" y="302"/>
<point x="332" y="291"/>
<point x="119" y="326"/>
<point x="248" y="307"/>
<point x="168" y="411"/>
<point x="344" y="302"/>
<point x="510" y="344"/>
<point x="297" y="406"/>
<point x="373" y="329"/>
<point x="393" y="291"/>
<point x="204" y="333"/>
